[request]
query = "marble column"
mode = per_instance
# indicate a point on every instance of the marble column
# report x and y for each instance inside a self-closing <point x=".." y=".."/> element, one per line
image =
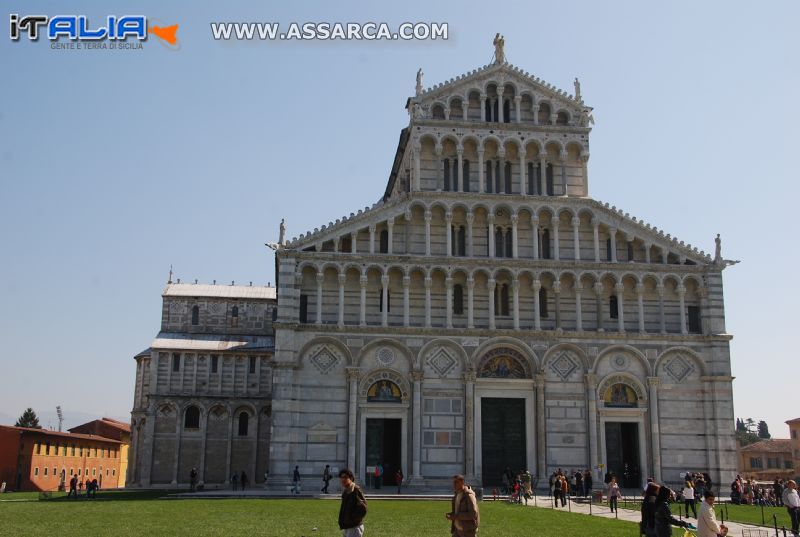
<point x="449" y="302"/>
<point x="554" y="224"/>
<point x="578" y="312"/>
<point x="470" y="244"/>
<point x="647" y="247"/>
<point x="543" y="165"/>
<point x="416" y="179"/>
<point x="557" y="296"/>
<point x="500" y="90"/>
<point x="655" y="430"/>
<point x="470" y="302"/>
<point x="620" y="290"/>
<point x="428" y="282"/>
<point x="490" y="220"/>
<point x="406" y="301"/>
<point x="535" y="112"/>
<point x="483" y="107"/>
<point x="515" y="289"/>
<point x="662" y="321"/>
<point x="541" y="428"/>
<point x="612" y="234"/>
<point x="481" y="172"/>
<point x="523" y="186"/>
<point x="598" y="291"/>
<point x="596" y="239"/>
<point x="514" y="242"/>
<point x="518" y="108"/>
<point x="640" y="301"/>
<point x="362" y="312"/>
<point x="428" y="217"/>
<point x="342" y="280"/>
<point x="416" y="456"/>
<point x="320" y="279"/>
<point x="448" y="224"/>
<point x="354" y="242"/>
<point x="385" y="294"/>
<point x="372" y="238"/>
<point x="389" y="235"/>
<point x="535" y="230"/>
<point x="490" y="286"/>
<point x="469" y="425"/>
<point x="591" y="400"/>
<point x="460" y="174"/>
<point x="537" y="321"/>
<point x="576" y="237"/>
<point x="353" y="374"/>
<point x="682" y="297"/>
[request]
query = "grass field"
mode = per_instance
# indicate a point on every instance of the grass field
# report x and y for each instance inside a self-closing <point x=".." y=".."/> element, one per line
<point x="120" y="514"/>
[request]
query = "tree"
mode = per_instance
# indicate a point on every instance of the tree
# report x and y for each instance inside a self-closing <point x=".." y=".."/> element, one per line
<point x="28" y="419"/>
<point x="763" y="430"/>
<point x="740" y="426"/>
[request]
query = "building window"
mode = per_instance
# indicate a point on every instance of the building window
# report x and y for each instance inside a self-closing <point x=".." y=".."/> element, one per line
<point x="235" y="316"/>
<point x="303" y="308"/>
<point x="384" y="243"/>
<point x="388" y="301"/>
<point x="613" y="307"/>
<point x="630" y="250"/>
<point x="542" y="302"/>
<point x="787" y="465"/>
<point x="195" y="315"/>
<point x="755" y="462"/>
<point x="45" y="471"/>
<point x="545" y="244"/>
<point x="47" y="449"/>
<point x="113" y="472"/>
<point x="80" y="451"/>
<point x="38" y="448"/>
<point x="36" y="472"/>
<point x="507" y="178"/>
<point x="94" y="472"/>
<point x="608" y="249"/>
<point x="772" y="462"/>
<point x="192" y="418"/>
<point x="549" y="172"/>
<point x="501" y="300"/>
<point x="694" y="319"/>
<point x="465" y="176"/>
<point x="71" y="472"/>
<point x="72" y="450"/>
<point x="79" y="472"/>
<point x="499" y="243"/>
<point x="458" y="299"/>
<point x="214" y="363"/>
<point x="176" y="362"/>
<point x="489" y="177"/>
<point x="243" y="423"/>
<point x="252" y="369"/>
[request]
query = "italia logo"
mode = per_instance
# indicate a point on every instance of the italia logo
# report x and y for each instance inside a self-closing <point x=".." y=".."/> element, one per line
<point x="78" y="28"/>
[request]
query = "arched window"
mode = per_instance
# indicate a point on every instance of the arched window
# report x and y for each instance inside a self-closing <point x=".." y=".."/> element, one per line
<point x="446" y="165"/>
<point x="504" y="299"/>
<point x="243" y="421"/>
<point x="235" y="316"/>
<point x="545" y="244"/>
<point x="458" y="299"/>
<point x="531" y="184"/>
<point x="509" y="246"/>
<point x="562" y="118"/>
<point x="613" y="307"/>
<point x="384" y="246"/>
<point x="456" y="174"/>
<point x="544" y="114"/>
<point x="630" y="250"/>
<point x="507" y="178"/>
<point x="550" y="191"/>
<point x="542" y="302"/>
<point x="495" y="105"/>
<point x="191" y="419"/>
<point x="498" y="242"/>
<point x="388" y="300"/>
<point x="437" y="112"/>
<point x="507" y="110"/>
<point x="303" y="308"/>
<point x="462" y="246"/>
<point x="608" y="249"/>
<point x="465" y="176"/>
<point x="195" y="315"/>
<point x="693" y="317"/>
<point x="489" y="179"/>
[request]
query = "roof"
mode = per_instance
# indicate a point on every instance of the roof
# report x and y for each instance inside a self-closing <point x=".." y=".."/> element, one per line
<point x="790" y="422"/>
<point x="47" y="432"/>
<point x="209" y="342"/>
<point x="258" y="292"/>
<point x="773" y="445"/>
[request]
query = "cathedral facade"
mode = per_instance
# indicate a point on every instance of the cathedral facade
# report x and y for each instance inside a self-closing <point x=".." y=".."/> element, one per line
<point x="485" y="313"/>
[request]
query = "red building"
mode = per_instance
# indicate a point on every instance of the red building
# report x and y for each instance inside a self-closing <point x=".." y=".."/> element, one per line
<point x="42" y="460"/>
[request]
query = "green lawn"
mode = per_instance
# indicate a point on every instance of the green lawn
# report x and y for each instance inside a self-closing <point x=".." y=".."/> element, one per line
<point x="747" y="514"/>
<point x="135" y="514"/>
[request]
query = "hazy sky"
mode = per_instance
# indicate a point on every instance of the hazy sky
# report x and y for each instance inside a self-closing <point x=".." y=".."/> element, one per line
<point x="116" y="164"/>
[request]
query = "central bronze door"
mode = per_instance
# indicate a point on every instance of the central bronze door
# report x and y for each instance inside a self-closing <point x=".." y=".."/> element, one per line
<point x="502" y="438"/>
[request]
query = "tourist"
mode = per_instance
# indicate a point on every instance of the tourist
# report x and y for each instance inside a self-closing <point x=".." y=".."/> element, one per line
<point x="707" y="525"/>
<point x="398" y="480"/>
<point x="234" y="481"/>
<point x="792" y="502"/>
<point x="95" y="486"/>
<point x="296" y="480"/>
<point x="700" y="486"/>
<point x="588" y="482"/>
<point x="778" y="488"/>
<point x="613" y="495"/>
<point x="647" y="526"/>
<point x="192" y="479"/>
<point x="688" y="498"/>
<point x="463" y="516"/>
<point x="326" y="478"/>
<point x="73" y="487"/>
<point x="266" y="477"/>
<point x="243" y="480"/>
<point x="378" y="475"/>
<point x="88" y="488"/>
<point x="353" y="508"/>
<point x="663" y="516"/>
<point x="578" y="483"/>
<point x="506" y="483"/>
<point x="558" y="485"/>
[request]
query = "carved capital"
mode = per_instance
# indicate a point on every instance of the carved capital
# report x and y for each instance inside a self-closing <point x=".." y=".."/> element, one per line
<point x="352" y="373"/>
<point x="417" y="376"/>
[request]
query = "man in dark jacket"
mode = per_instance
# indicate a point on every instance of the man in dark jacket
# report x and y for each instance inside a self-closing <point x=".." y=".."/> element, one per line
<point x="662" y="516"/>
<point x="464" y="516"/>
<point x="353" y="508"/>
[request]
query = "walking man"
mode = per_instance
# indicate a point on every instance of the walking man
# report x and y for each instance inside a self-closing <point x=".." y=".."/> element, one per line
<point x="192" y="479"/>
<point x="398" y="480"/>
<point x="707" y="525"/>
<point x="326" y="478"/>
<point x="464" y="516"/>
<point x="792" y="502"/>
<point x="353" y="508"/>
<point x="73" y="487"/>
<point x="296" y="481"/>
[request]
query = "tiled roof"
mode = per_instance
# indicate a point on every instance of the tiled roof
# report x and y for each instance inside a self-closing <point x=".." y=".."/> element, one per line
<point x="796" y="420"/>
<point x="61" y="435"/>
<point x="220" y="291"/>
<point x="773" y="445"/>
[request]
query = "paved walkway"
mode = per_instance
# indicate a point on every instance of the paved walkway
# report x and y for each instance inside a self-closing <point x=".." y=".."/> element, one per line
<point x="735" y="529"/>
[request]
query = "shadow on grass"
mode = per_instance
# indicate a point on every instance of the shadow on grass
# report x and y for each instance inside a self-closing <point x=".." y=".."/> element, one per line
<point x="111" y="495"/>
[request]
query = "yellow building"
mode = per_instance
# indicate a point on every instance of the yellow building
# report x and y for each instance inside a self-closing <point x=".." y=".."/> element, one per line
<point x="116" y="430"/>
<point x="767" y="460"/>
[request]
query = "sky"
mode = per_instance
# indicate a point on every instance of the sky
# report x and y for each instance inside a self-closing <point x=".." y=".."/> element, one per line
<point x="116" y="165"/>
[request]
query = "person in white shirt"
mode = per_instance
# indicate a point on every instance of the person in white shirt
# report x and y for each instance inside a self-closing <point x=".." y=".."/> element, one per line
<point x="688" y="498"/>
<point x="792" y="502"/>
<point x="707" y="525"/>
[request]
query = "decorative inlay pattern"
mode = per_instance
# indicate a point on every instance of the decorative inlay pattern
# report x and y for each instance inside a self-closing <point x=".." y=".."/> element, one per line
<point x="564" y="365"/>
<point x="679" y="368"/>
<point x="385" y="356"/>
<point x="441" y="361"/>
<point x="324" y="360"/>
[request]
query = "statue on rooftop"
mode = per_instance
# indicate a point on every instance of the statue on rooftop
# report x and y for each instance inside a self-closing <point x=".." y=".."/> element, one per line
<point x="282" y="234"/>
<point x="499" y="44"/>
<point x="419" y="81"/>
<point x="577" y="89"/>
<point x="718" y="250"/>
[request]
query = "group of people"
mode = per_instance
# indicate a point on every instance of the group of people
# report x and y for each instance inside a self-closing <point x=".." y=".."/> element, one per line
<point x="657" y="519"/>
<point x="751" y="492"/>
<point x="238" y="481"/>
<point x="518" y="486"/>
<point x="693" y="491"/>
<point x="572" y="483"/>
<point x="76" y="486"/>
